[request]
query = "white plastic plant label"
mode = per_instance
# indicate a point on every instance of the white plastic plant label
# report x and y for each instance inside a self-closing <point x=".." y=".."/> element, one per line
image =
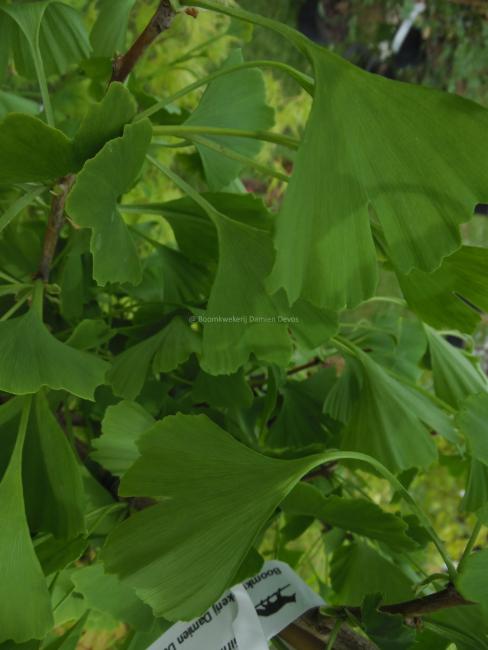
<point x="246" y="616"/>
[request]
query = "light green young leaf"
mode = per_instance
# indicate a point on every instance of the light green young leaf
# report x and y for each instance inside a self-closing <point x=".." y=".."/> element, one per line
<point x="104" y="121"/>
<point x="451" y="296"/>
<point x="92" y="203"/>
<point x="109" y="32"/>
<point x="167" y="349"/>
<point x="123" y="424"/>
<point x="26" y="609"/>
<point x="355" y="515"/>
<point x="108" y="594"/>
<point x="217" y="495"/>
<point x="236" y="100"/>
<point x="357" y="570"/>
<point x="31" y="151"/>
<point x="472" y="420"/>
<point x="31" y="357"/>
<point x="472" y="583"/>
<point x="54" y="494"/>
<point x="455" y="375"/>
<point x="391" y="421"/>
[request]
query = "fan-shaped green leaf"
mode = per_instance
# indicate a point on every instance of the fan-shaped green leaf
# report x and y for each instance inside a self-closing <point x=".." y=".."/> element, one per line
<point x="31" y="357"/>
<point x="398" y="161"/>
<point x="167" y="349"/>
<point x="11" y="103"/>
<point x="355" y="515"/>
<point x="31" y="151"/>
<point x="26" y="609"/>
<point x="122" y="426"/>
<point x="455" y="375"/>
<point x="109" y="32"/>
<point x="472" y="581"/>
<point x="392" y="422"/>
<point x="47" y="31"/>
<point x="107" y="594"/>
<point x="53" y="487"/>
<point x="216" y="496"/>
<point x="450" y="297"/>
<point x="358" y="570"/>
<point x="104" y="121"/>
<point x="92" y="203"/>
<point x="236" y="100"/>
<point x="472" y="420"/>
<point x="224" y="391"/>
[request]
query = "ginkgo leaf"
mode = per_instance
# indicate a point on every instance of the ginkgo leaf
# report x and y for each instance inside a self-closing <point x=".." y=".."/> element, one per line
<point x="31" y="151"/>
<point x="472" y="582"/>
<point x="110" y="29"/>
<point x="216" y="495"/>
<point x="356" y="515"/>
<point x="31" y="357"/>
<point x="300" y="421"/>
<point x="47" y="33"/>
<point x="392" y="421"/>
<point x="25" y="613"/>
<point x="455" y="375"/>
<point x="452" y="296"/>
<point x="92" y="203"/>
<point x="472" y="420"/>
<point x="107" y="594"/>
<point x="225" y="391"/>
<point x="358" y="570"/>
<point x="237" y="100"/>
<point x="123" y="424"/>
<point x="398" y="162"/>
<point x="54" y="495"/>
<point x="241" y="318"/>
<point x="104" y="121"/>
<point x="387" y="631"/>
<point x="167" y="349"/>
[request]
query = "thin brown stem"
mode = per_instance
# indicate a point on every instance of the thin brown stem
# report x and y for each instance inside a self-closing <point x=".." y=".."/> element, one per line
<point x="54" y="225"/>
<point x="158" y="24"/>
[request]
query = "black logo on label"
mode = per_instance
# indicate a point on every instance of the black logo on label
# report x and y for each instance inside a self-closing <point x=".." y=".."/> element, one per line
<point x="272" y="604"/>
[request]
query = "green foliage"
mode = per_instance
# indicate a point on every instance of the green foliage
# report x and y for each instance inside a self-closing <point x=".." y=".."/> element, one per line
<point x="185" y="389"/>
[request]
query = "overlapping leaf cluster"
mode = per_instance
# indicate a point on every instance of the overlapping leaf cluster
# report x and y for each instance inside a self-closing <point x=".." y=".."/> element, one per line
<point x="191" y="379"/>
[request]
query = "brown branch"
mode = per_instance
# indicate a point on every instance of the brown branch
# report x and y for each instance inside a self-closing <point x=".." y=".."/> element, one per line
<point x="159" y="23"/>
<point x="312" y="631"/>
<point x="122" y="66"/>
<point x="54" y="225"/>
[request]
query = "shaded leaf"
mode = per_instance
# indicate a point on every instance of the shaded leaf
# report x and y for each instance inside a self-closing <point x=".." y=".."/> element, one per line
<point x="167" y="349"/>
<point x="52" y="482"/>
<point x="387" y="631"/>
<point x="451" y="296"/>
<point x="355" y="515"/>
<point x="455" y="375"/>
<point x="391" y="421"/>
<point x="472" y="582"/>
<point x="224" y="391"/>
<point x="472" y="420"/>
<point x="357" y="571"/>
<point x="26" y="609"/>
